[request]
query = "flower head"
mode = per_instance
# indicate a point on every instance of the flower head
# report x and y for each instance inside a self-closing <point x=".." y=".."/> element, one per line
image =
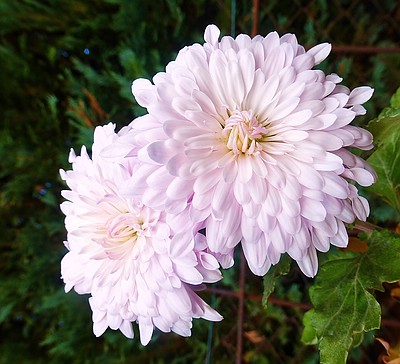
<point x="125" y="254"/>
<point x="250" y="141"/>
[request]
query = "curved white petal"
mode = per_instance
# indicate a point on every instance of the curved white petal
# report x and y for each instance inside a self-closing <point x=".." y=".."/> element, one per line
<point x="248" y="141"/>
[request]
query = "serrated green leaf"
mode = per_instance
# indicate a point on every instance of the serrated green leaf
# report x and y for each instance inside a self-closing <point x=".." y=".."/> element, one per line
<point x="395" y="100"/>
<point x="386" y="158"/>
<point x="388" y="121"/>
<point x="386" y="162"/>
<point x="344" y="308"/>
<point x="274" y="272"/>
<point x="358" y="339"/>
<point x="309" y="335"/>
<point x="384" y="127"/>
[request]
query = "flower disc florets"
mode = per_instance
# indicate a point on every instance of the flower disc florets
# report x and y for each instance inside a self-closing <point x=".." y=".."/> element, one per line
<point x="250" y="142"/>
<point x="125" y="254"/>
<point x="244" y="133"/>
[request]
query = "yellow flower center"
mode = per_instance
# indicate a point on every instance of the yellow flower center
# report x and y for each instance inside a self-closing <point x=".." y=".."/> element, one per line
<point x="243" y="132"/>
<point x="123" y="232"/>
<point x="123" y="227"/>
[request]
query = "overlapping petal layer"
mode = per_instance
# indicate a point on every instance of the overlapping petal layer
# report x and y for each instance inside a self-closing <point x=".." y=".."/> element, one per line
<point x="125" y="254"/>
<point x="248" y="140"/>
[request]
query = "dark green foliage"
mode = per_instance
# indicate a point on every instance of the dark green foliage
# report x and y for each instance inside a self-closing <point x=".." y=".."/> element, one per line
<point x="67" y="66"/>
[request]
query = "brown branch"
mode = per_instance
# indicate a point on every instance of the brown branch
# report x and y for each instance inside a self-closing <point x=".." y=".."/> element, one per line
<point x="390" y="323"/>
<point x="364" y="49"/>
<point x="256" y="17"/>
<point x="387" y="322"/>
<point x="241" y="295"/>
<point x="278" y="302"/>
<point x="254" y="297"/>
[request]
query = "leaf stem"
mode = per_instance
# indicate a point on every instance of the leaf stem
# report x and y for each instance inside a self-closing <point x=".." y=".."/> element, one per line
<point x="366" y="226"/>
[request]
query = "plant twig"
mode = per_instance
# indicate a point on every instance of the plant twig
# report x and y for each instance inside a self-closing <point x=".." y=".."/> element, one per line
<point x="256" y="17"/>
<point x="239" y="337"/>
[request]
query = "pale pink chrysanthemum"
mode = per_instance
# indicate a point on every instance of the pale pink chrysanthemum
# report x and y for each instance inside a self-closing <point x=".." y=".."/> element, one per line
<point x="126" y="255"/>
<point x="243" y="136"/>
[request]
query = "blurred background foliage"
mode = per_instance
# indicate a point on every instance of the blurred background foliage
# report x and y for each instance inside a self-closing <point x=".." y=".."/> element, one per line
<point x="66" y="67"/>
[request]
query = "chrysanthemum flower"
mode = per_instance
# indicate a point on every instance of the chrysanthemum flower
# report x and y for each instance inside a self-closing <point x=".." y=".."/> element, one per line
<point x="255" y="140"/>
<point x="125" y="254"/>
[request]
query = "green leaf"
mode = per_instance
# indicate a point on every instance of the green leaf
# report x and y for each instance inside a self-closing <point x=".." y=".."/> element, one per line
<point x="386" y="158"/>
<point x="274" y="272"/>
<point x="385" y="126"/>
<point x="5" y="311"/>
<point x="344" y="307"/>
<point x="395" y="100"/>
<point x="386" y="162"/>
<point x="388" y="121"/>
<point x="309" y="335"/>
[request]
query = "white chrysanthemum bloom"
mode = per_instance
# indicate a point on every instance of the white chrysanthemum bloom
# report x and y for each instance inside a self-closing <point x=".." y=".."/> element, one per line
<point x="125" y="254"/>
<point x="255" y="140"/>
